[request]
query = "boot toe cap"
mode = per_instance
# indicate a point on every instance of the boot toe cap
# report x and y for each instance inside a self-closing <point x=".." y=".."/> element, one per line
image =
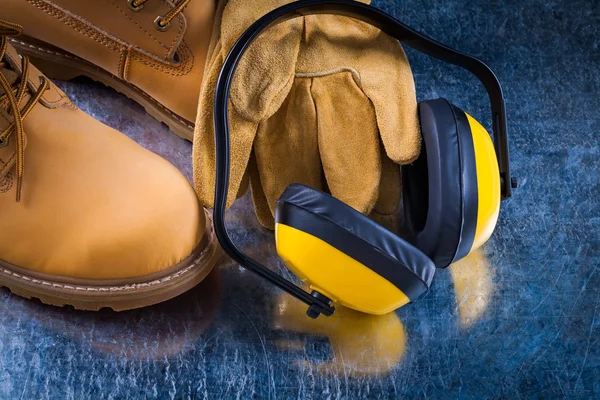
<point x="98" y="206"/>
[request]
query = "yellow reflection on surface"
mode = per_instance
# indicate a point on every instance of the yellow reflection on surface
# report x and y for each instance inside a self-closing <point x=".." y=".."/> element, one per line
<point x="473" y="286"/>
<point x="363" y="344"/>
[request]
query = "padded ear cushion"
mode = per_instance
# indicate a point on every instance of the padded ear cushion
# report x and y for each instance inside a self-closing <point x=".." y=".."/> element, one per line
<point x="331" y="220"/>
<point x="440" y="194"/>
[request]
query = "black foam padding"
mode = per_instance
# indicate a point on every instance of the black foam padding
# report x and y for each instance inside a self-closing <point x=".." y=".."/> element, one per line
<point x="440" y="188"/>
<point x="346" y="229"/>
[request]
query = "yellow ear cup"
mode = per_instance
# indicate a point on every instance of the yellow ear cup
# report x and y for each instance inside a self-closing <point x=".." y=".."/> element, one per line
<point x="335" y="274"/>
<point x="346" y="256"/>
<point x="488" y="183"/>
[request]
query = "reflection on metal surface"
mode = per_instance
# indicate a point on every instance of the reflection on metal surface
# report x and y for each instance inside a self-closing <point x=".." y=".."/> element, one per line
<point x="473" y="286"/>
<point x="362" y="344"/>
<point x="152" y="333"/>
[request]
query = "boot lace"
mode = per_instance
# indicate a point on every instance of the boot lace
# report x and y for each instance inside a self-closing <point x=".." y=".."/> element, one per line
<point x="14" y="94"/>
<point x="162" y="23"/>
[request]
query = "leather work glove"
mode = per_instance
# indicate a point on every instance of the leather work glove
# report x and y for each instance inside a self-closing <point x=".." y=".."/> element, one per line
<point x="322" y="100"/>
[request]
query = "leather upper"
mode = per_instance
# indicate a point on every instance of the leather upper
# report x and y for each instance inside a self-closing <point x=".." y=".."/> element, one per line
<point x="95" y="204"/>
<point x="168" y="66"/>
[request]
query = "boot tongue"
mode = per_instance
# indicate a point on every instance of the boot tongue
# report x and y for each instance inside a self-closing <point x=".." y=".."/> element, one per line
<point x="11" y="76"/>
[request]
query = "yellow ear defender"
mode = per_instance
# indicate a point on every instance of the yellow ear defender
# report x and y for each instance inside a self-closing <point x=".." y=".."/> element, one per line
<point x="346" y="256"/>
<point x="451" y="193"/>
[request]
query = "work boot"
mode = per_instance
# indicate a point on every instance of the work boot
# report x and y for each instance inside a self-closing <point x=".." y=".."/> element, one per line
<point x="153" y="51"/>
<point x="88" y="218"/>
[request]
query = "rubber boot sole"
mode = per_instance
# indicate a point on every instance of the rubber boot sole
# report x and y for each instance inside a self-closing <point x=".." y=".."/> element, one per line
<point x="118" y="294"/>
<point x="61" y="65"/>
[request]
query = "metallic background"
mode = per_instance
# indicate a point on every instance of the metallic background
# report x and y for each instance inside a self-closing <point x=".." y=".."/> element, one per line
<point x="517" y="319"/>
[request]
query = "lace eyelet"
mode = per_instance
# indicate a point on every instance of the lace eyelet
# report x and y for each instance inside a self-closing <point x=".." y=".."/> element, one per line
<point x="159" y="26"/>
<point x="3" y="143"/>
<point x="133" y="7"/>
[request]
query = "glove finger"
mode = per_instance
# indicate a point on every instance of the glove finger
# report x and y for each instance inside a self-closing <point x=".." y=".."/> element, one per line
<point x="348" y="140"/>
<point x="216" y="32"/>
<point x="385" y="76"/>
<point x="244" y="185"/>
<point x="390" y="187"/>
<point x="266" y="71"/>
<point x="286" y="145"/>
<point x="238" y="15"/>
<point x="394" y="98"/>
<point x="242" y="136"/>
<point x="203" y="150"/>
<point x="261" y="207"/>
<point x="385" y="211"/>
<point x="252" y="84"/>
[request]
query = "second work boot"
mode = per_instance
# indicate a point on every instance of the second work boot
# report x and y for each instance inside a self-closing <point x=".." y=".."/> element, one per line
<point x="153" y="51"/>
<point x="88" y="217"/>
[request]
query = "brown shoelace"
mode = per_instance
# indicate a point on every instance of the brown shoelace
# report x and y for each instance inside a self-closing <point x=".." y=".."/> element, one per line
<point x="15" y="95"/>
<point x="162" y="22"/>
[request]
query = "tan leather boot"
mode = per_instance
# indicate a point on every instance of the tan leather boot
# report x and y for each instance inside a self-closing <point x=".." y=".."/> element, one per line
<point x="88" y="217"/>
<point x="153" y="51"/>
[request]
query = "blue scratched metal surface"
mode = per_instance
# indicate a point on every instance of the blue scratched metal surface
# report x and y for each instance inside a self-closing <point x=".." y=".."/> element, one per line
<point x="518" y="319"/>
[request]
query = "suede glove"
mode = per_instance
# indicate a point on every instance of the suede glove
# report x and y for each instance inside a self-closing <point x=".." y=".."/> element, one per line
<point x="322" y="100"/>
